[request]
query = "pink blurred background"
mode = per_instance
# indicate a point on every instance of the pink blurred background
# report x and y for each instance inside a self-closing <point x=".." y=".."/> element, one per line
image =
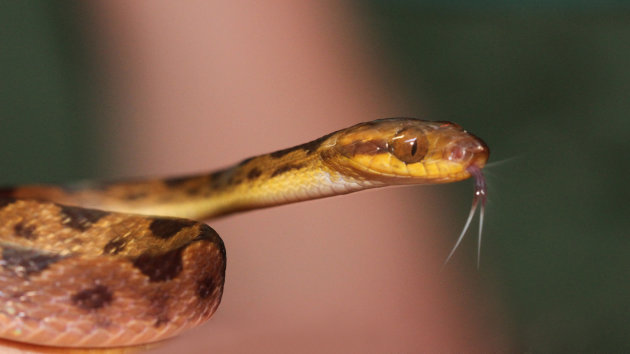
<point x="198" y="85"/>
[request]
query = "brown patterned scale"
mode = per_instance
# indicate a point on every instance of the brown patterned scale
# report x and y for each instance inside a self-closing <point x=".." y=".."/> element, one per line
<point x="83" y="277"/>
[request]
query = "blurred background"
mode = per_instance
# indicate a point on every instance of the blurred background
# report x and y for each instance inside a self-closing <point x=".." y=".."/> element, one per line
<point x="112" y="89"/>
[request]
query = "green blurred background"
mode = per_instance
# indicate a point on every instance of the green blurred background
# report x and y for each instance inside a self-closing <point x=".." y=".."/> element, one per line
<point x="547" y="87"/>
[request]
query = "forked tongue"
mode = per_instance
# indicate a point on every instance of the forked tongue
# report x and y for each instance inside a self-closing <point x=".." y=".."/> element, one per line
<point x="478" y="197"/>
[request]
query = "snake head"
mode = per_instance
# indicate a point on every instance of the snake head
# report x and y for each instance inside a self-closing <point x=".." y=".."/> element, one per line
<point x="410" y="151"/>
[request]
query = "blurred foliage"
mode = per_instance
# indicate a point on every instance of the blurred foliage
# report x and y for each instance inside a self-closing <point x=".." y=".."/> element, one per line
<point x="549" y="91"/>
<point x="45" y="121"/>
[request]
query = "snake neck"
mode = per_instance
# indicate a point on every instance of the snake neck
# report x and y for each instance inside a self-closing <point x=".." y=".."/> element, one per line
<point x="282" y="177"/>
<point x="255" y="183"/>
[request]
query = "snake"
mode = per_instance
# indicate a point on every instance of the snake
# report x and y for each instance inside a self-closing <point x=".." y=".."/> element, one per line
<point x="122" y="263"/>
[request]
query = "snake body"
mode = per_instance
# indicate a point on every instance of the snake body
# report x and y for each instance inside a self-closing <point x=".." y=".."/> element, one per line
<point x="73" y="274"/>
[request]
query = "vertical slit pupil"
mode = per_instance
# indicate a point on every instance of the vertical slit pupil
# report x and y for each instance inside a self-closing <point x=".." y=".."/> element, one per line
<point x="414" y="148"/>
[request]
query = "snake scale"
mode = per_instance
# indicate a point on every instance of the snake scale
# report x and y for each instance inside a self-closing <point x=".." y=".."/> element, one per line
<point x="75" y="275"/>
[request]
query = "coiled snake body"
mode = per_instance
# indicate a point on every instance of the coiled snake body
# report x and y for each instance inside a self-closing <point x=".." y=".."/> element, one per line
<point x="72" y="274"/>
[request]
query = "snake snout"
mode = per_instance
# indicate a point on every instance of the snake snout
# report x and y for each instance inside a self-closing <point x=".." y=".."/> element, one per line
<point x="469" y="150"/>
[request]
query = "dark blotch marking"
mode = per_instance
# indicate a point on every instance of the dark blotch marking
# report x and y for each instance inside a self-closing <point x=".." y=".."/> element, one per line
<point x="193" y="190"/>
<point x="115" y="246"/>
<point x="254" y="173"/>
<point x="206" y="233"/>
<point x="27" y="232"/>
<point x="309" y="147"/>
<point x="205" y="287"/>
<point x="286" y="168"/>
<point x="93" y="298"/>
<point x="244" y="162"/>
<point x="377" y="121"/>
<point x="215" y="179"/>
<point x="160" y="267"/>
<point x="6" y="192"/>
<point x="176" y="181"/>
<point x="4" y="201"/>
<point x="232" y="180"/>
<point x="166" y="228"/>
<point x="166" y="266"/>
<point x="79" y="218"/>
<point x="208" y="283"/>
<point x="23" y="262"/>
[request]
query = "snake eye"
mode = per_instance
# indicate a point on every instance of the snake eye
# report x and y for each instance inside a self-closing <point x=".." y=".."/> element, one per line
<point x="409" y="145"/>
